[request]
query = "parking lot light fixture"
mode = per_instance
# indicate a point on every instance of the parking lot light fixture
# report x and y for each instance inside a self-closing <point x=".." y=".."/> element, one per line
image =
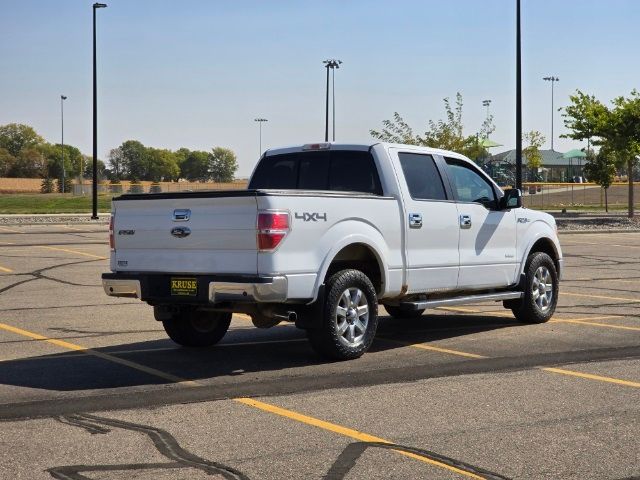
<point x="553" y="80"/>
<point x="330" y="64"/>
<point x="260" y="122"/>
<point x="62" y="99"/>
<point x="94" y="215"/>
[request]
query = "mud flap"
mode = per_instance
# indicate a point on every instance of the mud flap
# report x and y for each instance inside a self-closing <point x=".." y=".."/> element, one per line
<point x="311" y="316"/>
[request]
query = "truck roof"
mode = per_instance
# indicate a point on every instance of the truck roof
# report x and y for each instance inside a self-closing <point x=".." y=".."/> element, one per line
<point x="360" y="147"/>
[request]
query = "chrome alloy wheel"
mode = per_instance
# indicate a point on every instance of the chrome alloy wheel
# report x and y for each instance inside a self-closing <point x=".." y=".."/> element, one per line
<point x="542" y="289"/>
<point x="352" y="317"/>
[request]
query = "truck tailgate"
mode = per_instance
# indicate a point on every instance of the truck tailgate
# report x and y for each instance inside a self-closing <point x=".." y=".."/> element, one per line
<point x="218" y="237"/>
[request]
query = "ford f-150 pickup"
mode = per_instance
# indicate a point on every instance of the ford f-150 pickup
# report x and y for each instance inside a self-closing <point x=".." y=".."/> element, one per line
<point x="325" y="233"/>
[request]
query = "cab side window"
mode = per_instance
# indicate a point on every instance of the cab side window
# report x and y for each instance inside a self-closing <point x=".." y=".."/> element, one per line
<point x="422" y="176"/>
<point x="469" y="185"/>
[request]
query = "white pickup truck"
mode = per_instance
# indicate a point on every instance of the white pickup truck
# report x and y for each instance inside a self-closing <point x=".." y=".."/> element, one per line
<point x="324" y="233"/>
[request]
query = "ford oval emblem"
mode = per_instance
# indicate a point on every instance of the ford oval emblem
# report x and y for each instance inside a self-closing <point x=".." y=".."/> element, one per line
<point x="180" y="232"/>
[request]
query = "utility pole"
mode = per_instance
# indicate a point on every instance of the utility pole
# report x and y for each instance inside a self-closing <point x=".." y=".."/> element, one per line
<point x="553" y="80"/>
<point x="62" y="99"/>
<point x="94" y="216"/>
<point x="518" y="100"/>
<point x="260" y="122"/>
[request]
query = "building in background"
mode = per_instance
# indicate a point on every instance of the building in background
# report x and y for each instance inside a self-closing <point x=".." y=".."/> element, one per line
<point x="556" y="167"/>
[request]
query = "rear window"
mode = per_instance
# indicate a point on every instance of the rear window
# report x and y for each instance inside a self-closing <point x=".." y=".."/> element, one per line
<point x="336" y="170"/>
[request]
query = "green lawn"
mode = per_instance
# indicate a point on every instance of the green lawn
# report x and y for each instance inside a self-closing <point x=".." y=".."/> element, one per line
<point x="51" y="203"/>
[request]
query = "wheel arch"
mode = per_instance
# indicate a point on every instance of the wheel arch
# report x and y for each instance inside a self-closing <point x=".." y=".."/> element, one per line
<point x="545" y="244"/>
<point x="359" y="254"/>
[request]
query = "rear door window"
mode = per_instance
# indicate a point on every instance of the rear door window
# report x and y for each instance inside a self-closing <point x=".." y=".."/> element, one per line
<point x="422" y="177"/>
<point x="354" y="172"/>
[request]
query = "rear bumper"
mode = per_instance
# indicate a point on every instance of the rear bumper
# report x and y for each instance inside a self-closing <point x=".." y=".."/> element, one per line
<point x="155" y="288"/>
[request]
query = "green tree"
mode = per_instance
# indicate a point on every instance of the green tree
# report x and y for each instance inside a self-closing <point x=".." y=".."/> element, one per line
<point x="53" y="154"/>
<point x="617" y="127"/>
<point x="534" y="141"/>
<point x="222" y="164"/>
<point x="601" y="169"/>
<point x="6" y="162"/>
<point x="161" y="165"/>
<point x="30" y="163"/>
<point x="195" y="166"/>
<point x="446" y="134"/>
<point x="15" y="137"/>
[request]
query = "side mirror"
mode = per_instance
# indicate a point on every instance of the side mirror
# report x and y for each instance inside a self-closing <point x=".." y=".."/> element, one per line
<point x="512" y="199"/>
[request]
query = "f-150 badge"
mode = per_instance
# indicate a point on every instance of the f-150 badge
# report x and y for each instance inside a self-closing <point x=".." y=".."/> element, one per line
<point x="311" y="217"/>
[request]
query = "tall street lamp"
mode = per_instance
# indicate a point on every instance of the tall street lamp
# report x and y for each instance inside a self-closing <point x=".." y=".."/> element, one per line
<point x="518" y="100"/>
<point x="260" y="122"/>
<point x="95" y="117"/>
<point x="62" y="99"/>
<point x="330" y="64"/>
<point x="486" y="103"/>
<point x="553" y="80"/>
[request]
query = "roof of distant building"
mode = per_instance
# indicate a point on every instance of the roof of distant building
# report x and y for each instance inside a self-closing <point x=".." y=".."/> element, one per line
<point x="550" y="158"/>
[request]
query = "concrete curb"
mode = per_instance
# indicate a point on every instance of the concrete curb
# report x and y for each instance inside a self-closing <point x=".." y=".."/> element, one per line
<point x="600" y="230"/>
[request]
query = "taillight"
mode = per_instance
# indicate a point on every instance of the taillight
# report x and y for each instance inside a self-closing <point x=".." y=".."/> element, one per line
<point x="272" y="228"/>
<point x="112" y="243"/>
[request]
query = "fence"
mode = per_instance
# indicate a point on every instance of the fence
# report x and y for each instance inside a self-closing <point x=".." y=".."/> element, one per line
<point x="567" y="195"/>
<point x="151" y="187"/>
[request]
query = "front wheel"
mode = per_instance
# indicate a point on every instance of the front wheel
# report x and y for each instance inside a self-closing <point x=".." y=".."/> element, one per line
<point x="540" y="290"/>
<point x="350" y="317"/>
<point x="195" y="328"/>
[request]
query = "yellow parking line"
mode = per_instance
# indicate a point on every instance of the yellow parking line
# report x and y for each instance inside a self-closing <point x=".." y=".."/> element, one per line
<point x="95" y="353"/>
<point x="77" y="252"/>
<point x="592" y="377"/>
<point x="422" y="346"/>
<point x="595" y="324"/>
<point x="602" y="297"/>
<point x="599" y="244"/>
<point x="7" y="229"/>
<point x="458" y="309"/>
<point x="347" y="432"/>
<point x="5" y="269"/>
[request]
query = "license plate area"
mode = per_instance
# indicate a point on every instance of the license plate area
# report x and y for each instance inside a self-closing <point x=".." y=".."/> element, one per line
<point x="184" y="286"/>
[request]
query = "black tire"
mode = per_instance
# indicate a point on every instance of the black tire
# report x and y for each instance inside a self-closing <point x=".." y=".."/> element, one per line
<point x="193" y="328"/>
<point x="399" y="312"/>
<point x="535" y="307"/>
<point x="349" y="335"/>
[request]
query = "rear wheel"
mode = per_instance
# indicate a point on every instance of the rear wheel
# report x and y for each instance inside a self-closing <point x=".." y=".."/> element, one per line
<point x="399" y="312"/>
<point x="196" y="328"/>
<point x="350" y="317"/>
<point x="540" y="290"/>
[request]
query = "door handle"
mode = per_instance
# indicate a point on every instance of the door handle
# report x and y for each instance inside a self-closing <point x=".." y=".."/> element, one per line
<point x="465" y="221"/>
<point x="415" y="220"/>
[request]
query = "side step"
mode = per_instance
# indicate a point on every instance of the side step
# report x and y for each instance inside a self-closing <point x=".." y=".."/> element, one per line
<point x="446" y="302"/>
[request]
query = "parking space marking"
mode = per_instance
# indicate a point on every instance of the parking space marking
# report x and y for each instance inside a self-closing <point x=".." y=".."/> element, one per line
<point x="423" y="346"/>
<point x="77" y="252"/>
<point x="95" y="353"/>
<point x="5" y="269"/>
<point x="602" y="297"/>
<point x="596" y="324"/>
<point x="573" y="242"/>
<point x="11" y="230"/>
<point x="590" y="376"/>
<point x="347" y="432"/>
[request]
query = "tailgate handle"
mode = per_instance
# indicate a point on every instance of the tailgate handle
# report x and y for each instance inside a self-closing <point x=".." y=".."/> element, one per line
<point x="182" y="215"/>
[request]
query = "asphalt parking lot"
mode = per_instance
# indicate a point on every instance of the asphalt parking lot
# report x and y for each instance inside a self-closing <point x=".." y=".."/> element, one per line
<point x="90" y="387"/>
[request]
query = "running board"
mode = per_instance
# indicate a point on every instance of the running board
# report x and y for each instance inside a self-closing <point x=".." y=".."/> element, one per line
<point x="446" y="302"/>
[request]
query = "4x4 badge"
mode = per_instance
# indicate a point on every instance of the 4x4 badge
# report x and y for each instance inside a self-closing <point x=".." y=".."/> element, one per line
<point x="311" y="217"/>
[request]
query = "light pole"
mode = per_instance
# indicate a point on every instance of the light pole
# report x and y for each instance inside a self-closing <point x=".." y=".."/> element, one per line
<point x="62" y="99"/>
<point x="518" y="100"/>
<point x="486" y="103"/>
<point x="553" y="80"/>
<point x="260" y="122"/>
<point x="330" y="64"/>
<point x="94" y="216"/>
